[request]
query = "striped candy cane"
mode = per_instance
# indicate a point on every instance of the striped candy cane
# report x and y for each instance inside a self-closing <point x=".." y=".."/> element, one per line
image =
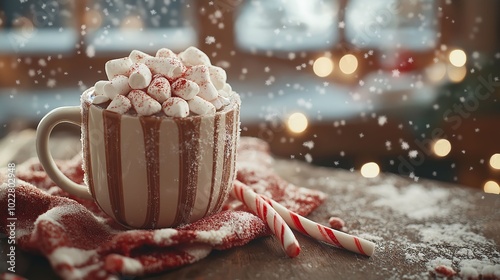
<point x="264" y="211"/>
<point x="322" y="233"/>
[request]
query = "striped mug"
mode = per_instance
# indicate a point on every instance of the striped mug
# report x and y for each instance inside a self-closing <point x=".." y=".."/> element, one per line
<point x="148" y="171"/>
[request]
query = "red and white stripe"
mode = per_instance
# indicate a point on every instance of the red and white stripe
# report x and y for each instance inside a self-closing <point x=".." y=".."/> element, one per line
<point x="151" y="172"/>
<point x="322" y="233"/>
<point x="264" y="211"/>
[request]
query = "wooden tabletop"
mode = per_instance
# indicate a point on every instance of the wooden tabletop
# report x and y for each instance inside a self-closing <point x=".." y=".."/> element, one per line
<point x="416" y="224"/>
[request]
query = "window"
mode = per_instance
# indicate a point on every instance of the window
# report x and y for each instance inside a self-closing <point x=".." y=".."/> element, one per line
<point x="297" y="25"/>
<point x="37" y="26"/>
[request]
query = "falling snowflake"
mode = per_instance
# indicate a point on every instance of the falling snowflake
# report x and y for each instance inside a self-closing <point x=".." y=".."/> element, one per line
<point x="270" y="81"/>
<point x="90" y="51"/>
<point x="308" y="158"/>
<point x="267" y="69"/>
<point x="361" y="135"/>
<point x="209" y="40"/>
<point x="42" y="62"/>
<point x="413" y="153"/>
<point x="395" y="73"/>
<point x="388" y="144"/>
<point x="51" y="83"/>
<point x="382" y="120"/>
<point x="341" y="24"/>
<point x="404" y="145"/>
<point x="308" y="144"/>
<point x="410" y="60"/>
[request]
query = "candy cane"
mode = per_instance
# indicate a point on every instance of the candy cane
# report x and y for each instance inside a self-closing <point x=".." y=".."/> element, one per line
<point x="275" y="222"/>
<point x="322" y="233"/>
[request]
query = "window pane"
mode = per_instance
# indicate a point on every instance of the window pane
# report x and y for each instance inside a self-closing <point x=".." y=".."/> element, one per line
<point x="147" y="25"/>
<point x="388" y="23"/>
<point x="287" y="26"/>
<point x="37" y="26"/>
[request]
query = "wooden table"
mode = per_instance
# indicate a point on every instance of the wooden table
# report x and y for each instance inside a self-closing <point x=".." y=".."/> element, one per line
<point x="416" y="225"/>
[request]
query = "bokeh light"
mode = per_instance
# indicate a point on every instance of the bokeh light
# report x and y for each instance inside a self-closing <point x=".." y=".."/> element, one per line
<point x="456" y="74"/>
<point x="495" y="161"/>
<point x="132" y="22"/>
<point x="323" y="66"/>
<point x="491" y="187"/>
<point x="436" y="72"/>
<point x="457" y="58"/>
<point x="93" y="19"/>
<point x="348" y="64"/>
<point x="442" y="147"/>
<point x="370" y="170"/>
<point x="297" y="122"/>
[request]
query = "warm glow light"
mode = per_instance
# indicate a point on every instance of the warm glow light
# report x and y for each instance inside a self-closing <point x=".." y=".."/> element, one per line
<point x="458" y="58"/>
<point x="495" y="161"/>
<point x="370" y="170"/>
<point x="456" y="74"/>
<point x="436" y="72"/>
<point x="442" y="147"/>
<point x="93" y="19"/>
<point x="297" y="122"/>
<point x="323" y="66"/>
<point x="24" y="26"/>
<point x="491" y="187"/>
<point x="132" y="22"/>
<point x="348" y="64"/>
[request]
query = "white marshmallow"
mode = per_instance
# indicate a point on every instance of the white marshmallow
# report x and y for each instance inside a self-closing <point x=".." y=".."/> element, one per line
<point x="193" y="56"/>
<point x="164" y="52"/>
<point x="223" y="93"/>
<point x="185" y="88"/>
<point x="120" y="104"/>
<point x="119" y="66"/>
<point x="99" y="87"/>
<point x="140" y="76"/>
<point x="138" y="56"/>
<point x="200" y="106"/>
<point x="170" y="67"/>
<point x="200" y="75"/>
<point x="159" y="89"/>
<point x="225" y="101"/>
<point x="208" y="91"/>
<point x="143" y="104"/>
<point x="117" y="86"/>
<point x="217" y="76"/>
<point x="227" y="88"/>
<point x="175" y="107"/>
<point x="98" y="99"/>
<point x="217" y="103"/>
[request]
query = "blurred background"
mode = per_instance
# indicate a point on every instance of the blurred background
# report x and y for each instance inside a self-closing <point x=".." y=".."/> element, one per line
<point x="403" y="86"/>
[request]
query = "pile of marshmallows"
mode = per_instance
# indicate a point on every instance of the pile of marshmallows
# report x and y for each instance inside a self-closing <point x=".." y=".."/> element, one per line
<point x="175" y="84"/>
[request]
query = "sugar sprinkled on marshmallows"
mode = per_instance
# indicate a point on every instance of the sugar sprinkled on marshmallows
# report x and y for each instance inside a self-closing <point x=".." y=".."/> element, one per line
<point x="177" y="85"/>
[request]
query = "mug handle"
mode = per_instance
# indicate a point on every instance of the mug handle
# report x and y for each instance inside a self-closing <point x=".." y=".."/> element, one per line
<point x="70" y="114"/>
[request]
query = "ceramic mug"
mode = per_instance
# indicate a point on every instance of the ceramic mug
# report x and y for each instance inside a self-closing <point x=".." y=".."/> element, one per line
<point x="148" y="171"/>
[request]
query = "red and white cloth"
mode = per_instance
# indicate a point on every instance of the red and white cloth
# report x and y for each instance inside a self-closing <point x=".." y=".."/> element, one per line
<point x="81" y="242"/>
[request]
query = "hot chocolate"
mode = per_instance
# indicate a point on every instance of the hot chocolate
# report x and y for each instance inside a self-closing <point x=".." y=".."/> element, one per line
<point x="159" y="139"/>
